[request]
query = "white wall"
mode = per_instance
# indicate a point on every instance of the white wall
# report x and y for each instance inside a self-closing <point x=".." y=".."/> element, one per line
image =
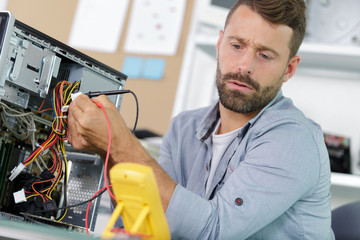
<point x="332" y="102"/>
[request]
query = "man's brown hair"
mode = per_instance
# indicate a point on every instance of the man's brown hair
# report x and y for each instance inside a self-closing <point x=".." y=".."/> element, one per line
<point x="291" y="13"/>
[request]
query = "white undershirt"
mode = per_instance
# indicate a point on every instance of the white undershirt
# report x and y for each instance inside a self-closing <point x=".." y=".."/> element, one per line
<point x="220" y="142"/>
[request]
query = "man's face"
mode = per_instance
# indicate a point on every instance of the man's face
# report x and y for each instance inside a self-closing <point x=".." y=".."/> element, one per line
<point x="253" y="61"/>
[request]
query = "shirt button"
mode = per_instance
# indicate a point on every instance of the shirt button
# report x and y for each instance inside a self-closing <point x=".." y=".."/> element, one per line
<point x="238" y="201"/>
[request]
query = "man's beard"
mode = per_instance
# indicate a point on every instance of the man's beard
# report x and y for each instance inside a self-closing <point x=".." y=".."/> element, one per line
<point x="241" y="102"/>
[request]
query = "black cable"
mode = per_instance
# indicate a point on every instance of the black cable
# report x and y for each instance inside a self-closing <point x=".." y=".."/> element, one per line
<point x="116" y="92"/>
<point x="111" y="92"/>
<point x="137" y="111"/>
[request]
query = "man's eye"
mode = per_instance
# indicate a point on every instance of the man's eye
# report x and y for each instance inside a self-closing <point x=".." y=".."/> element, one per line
<point x="263" y="56"/>
<point x="236" y="46"/>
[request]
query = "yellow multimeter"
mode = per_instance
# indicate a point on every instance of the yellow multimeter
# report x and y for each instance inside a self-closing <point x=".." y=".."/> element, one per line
<point x="138" y="202"/>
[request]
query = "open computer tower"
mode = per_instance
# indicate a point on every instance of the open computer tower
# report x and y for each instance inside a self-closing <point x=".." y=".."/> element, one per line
<point x="32" y="65"/>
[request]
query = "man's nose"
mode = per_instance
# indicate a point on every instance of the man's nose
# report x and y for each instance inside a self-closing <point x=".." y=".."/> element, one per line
<point x="246" y="62"/>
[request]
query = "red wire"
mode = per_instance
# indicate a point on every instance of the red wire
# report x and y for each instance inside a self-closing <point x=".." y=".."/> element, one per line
<point x="41" y="148"/>
<point x="108" y="150"/>
<point x="87" y="211"/>
<point x="107" y="186"/>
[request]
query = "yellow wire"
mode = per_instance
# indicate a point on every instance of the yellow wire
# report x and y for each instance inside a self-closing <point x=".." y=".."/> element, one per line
<point x="60" y="144"/>
<point x="40" y="151"/>
<point x="32" y="196"/>
<point x="59" y="178"/>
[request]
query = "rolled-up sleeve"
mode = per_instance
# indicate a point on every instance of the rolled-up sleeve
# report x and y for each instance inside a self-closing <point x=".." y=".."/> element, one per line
<point x="190" y="216"/>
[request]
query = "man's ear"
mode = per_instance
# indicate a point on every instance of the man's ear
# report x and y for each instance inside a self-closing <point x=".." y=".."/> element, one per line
<point x="291" y="68"/>
<point x="221" y="34"/>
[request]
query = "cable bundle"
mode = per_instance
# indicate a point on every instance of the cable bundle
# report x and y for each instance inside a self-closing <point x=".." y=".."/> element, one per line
<point x="54" y="148"/>
<point x="38" y="191"/>
<point x="61" y="96"/>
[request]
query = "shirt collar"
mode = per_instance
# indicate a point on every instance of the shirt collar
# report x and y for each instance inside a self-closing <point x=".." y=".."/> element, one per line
<point x="208" y="123"/>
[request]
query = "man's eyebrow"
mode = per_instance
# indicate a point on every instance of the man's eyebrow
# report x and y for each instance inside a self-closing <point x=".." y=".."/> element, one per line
<point x="258" y="46"/>
<point x="265" y="48"/>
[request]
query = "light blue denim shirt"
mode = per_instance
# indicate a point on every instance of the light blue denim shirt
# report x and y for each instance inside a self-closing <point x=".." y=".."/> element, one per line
<point x="273" y="181"/>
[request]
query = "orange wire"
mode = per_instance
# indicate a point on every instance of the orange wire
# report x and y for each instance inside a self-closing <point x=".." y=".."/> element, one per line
<point x="59" y="168"/>
<point x="41" y="111"/>
<point x="61" y="91"/>
<point x="32" y="185"/>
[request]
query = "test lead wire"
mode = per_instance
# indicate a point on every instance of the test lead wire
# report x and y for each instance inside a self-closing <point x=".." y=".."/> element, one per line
<point x="111" y="92"/>
<point x="116" y="92"/>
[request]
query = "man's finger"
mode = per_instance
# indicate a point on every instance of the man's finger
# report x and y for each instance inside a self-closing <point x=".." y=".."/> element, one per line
<point x="82" y="102"/>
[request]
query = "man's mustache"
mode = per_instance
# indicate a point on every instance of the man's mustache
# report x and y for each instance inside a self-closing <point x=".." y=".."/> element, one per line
<point x="242" y="79"/>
